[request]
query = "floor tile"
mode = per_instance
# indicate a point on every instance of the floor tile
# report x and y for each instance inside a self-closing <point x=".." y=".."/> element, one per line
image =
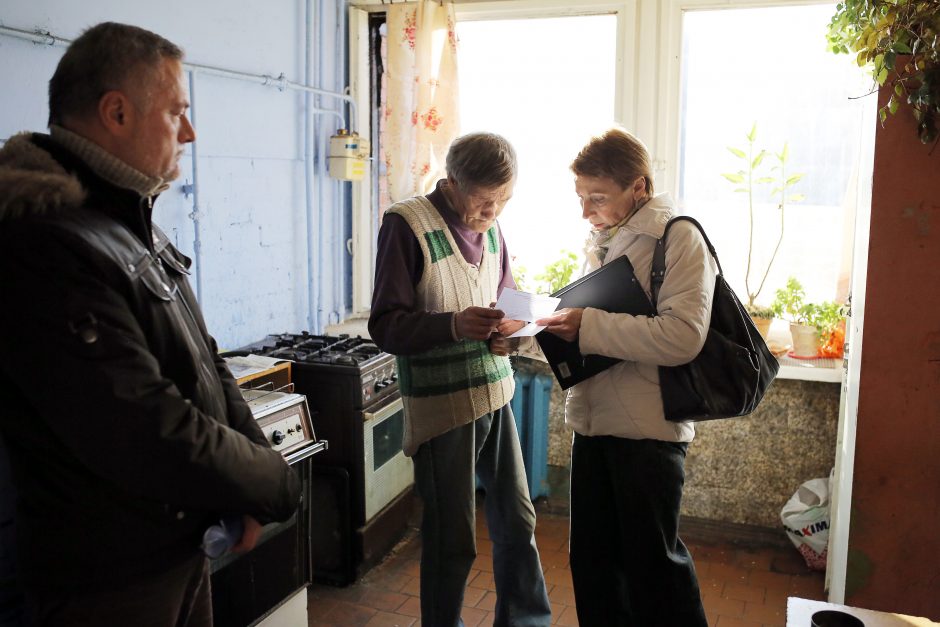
<point x="742" y="585"/>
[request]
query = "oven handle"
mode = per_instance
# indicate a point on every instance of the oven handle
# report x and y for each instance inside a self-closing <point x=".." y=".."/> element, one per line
<point x="389" y="406"/>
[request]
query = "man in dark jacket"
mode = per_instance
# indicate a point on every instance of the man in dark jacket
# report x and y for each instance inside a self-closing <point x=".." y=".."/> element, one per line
<point x="126" y="432"/>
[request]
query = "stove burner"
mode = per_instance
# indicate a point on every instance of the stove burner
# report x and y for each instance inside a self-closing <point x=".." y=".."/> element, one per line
<point x="339" y="350"/>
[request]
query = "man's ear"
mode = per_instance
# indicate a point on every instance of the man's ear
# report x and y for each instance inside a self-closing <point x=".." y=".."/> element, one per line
<point x="114" y="112"/>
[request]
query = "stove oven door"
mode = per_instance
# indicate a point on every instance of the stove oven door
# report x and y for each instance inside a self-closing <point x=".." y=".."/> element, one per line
<point x="387" y="471"/>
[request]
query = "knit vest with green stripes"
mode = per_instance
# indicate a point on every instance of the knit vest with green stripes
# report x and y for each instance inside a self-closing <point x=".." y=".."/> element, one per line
<point x="455" y="383"/>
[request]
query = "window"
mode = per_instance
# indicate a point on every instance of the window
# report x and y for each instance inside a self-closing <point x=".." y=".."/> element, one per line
<point x="689" y="77"/>
<point x="546" y="87"/>
<point x="770" y="68"/>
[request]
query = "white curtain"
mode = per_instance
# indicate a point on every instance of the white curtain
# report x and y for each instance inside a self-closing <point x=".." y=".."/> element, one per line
<point x="421" y="113"/>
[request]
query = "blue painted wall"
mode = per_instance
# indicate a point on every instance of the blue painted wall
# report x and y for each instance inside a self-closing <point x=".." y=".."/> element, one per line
<point x="265" y="264"/>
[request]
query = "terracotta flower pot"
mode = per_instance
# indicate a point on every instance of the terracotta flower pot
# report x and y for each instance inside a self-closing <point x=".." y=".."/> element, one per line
<point x="763" y="325"/>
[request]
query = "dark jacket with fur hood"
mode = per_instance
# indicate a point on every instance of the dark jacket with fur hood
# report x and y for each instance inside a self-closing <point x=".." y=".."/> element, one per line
<point x="127" y="434"/>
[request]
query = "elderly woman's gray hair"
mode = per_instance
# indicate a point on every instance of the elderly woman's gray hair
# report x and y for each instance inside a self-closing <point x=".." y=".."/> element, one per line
<point x="480" y="161"/>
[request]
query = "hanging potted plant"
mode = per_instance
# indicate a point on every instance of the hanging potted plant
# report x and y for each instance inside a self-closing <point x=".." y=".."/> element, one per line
<point x="747" y="178"/>
<point x="900" y="43"/>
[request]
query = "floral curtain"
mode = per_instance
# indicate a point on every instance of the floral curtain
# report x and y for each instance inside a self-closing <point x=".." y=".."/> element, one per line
<point x="421" y="112"/>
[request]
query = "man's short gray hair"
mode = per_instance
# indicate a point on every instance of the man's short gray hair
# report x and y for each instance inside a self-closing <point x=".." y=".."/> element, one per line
<point x="103" y="58"/>
<point x="481" y="160"/>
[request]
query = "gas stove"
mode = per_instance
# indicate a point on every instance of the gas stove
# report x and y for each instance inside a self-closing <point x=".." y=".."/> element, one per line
<point x="340" y="350"/>
<point x="362" y="481"/>
<point x="334" y="356"/>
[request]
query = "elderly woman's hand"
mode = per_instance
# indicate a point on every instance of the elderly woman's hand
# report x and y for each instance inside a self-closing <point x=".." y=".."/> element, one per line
<point x="501" y="345"/>
<point x="477" y="323"/>
<point x="500" y="342"/>
<point x="508" y="327"/>
<point x="565" y="323"/>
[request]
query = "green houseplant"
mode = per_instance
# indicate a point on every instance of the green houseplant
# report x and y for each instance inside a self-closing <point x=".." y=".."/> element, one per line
<point x="748" y="178"/>
<point x="811" y="325"/>
<point x="899" y="40"/>
<point x="553" y="277"/>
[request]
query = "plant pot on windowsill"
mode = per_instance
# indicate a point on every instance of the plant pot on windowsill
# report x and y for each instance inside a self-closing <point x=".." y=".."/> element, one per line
<point x="805" y="340"/>
<point x="761" y="317"/>
<point x="763" y="325"/>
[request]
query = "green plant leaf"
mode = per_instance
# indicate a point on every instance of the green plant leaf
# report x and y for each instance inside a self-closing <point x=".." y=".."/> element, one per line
<point x="901" y="47"/>
<point x="741" y="189"/>
<point x="766" y="179"/>
<point x="752" y="135"/>
<point x="737" y="152"/>
<point x="758" y="159"/>
<point x="893" y="105"/>
<point x="734" y="178"/>
<point x="882" y="76"/>
<point x="797" y="197"/>
<point x="794" y="178"/>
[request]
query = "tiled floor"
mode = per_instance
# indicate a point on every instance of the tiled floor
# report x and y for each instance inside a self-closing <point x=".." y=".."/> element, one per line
<point x="744" y="583"/>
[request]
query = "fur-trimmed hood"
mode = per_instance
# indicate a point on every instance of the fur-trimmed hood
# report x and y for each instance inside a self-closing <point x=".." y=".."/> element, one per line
<point x="33" y="182"/>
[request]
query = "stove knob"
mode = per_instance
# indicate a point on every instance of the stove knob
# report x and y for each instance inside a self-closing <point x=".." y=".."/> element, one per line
<point x="277" y="436"/>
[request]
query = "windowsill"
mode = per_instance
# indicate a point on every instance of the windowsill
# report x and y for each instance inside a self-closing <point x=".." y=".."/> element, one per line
<point x="355" y="324"/>
<point x="827" y="370"/>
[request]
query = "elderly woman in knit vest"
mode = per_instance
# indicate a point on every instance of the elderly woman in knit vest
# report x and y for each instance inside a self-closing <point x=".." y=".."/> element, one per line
<point x="628" y="565"/>
<point x="441" y="263"/>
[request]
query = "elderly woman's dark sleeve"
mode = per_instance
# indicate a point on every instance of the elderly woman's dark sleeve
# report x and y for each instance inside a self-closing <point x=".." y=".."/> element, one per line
<point x="396" y="325"/>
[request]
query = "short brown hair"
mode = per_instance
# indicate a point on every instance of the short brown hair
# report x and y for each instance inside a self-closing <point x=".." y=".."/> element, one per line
<point x="102" y="59"/>
<point x="481" y="160"/>
<point x="616" y="155"/>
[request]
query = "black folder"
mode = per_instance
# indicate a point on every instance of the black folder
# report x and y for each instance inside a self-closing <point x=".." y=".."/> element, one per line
<point x="612" y="287"/>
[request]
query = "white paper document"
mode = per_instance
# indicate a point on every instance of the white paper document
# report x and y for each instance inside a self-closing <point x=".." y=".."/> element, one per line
<point x="517" y="305"/>
<point x="529" y="329"/>
<point x="246" y="365"/>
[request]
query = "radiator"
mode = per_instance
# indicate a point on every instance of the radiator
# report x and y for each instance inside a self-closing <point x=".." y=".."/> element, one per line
<point x="530" y="407"/>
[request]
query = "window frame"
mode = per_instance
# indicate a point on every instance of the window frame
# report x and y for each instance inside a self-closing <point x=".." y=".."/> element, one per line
<point x="647" y="94"/>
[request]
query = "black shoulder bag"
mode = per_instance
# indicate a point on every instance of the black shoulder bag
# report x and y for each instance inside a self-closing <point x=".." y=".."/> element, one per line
<point x="729" y="377"/>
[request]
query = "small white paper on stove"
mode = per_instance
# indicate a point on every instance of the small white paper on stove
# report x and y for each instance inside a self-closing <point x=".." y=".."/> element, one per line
<point x="517" y="305"/>
<point x="527" y="330"/>
<point x="247" y="365"/>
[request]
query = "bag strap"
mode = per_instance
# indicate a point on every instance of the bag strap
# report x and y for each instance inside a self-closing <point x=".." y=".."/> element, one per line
<point x="658" y="271"/>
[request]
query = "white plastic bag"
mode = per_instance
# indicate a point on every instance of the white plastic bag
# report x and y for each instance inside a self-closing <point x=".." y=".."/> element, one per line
<point x="806" y="519"/>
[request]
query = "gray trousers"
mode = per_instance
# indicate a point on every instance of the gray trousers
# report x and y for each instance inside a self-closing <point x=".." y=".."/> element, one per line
<point x="445" y="468"/>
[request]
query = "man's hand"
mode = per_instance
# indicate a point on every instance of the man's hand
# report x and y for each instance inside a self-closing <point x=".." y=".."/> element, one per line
<point x="249" y="536"/>
<point x="565" y="323"/>
<point x="477" y="323"/>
